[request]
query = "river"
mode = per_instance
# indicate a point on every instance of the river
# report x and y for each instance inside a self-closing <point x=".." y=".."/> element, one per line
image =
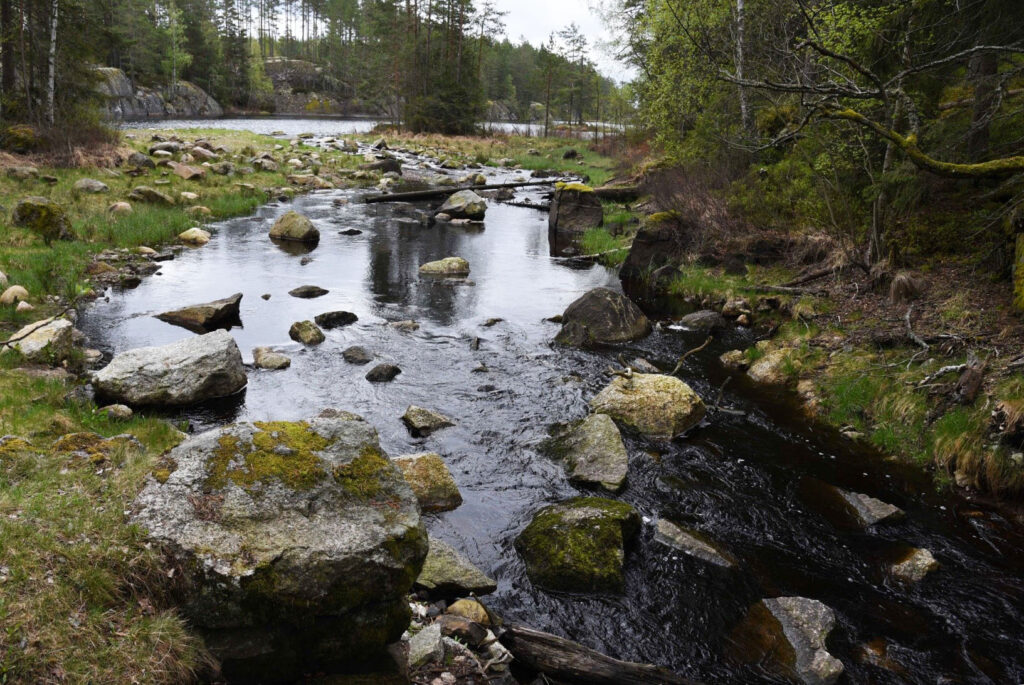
<point x="747" y="480"/>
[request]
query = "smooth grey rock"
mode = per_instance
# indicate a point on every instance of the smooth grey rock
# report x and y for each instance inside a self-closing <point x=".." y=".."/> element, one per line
<point x="426" y="647"/>
<point x="357" y="355"/>
<point x="671" y="535"/>
<point x="704" y="321"/>
<point x="182" y="373"/>
<point x="593" y="452"/>
<point x="266" y="358"/>
<point x="200" y="318"/>
<point x="602" y="316"/>
<point x="90" y="185"/>
<point x="44" y="342"/>
<point x="802" y="626"/>
<point x="464" y="204"/>
<point x="448" y="573"/>
<point x="869" y="510"/>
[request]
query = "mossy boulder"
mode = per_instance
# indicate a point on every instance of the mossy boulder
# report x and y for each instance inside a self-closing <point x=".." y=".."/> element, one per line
<point x="656" y="405"/>
<point x="20" y="138"/>
<point x="448" y="573"/>
<point x="602" y="316"/>
<point x="579" y="545"/>
<point x="464" y="204"/>
<point x="44" y="217"/>
<point x="574" y="209"/>
<point x="306" y="332"/>
<point x="449" y="266"/>
<point x="298" y="542"/>
<point x="430" y="479"/>
<point x="592" y="450"/>
<point x="295" y="227"/>
<point x="43" y="342"/>
<point x="778" y="367"/>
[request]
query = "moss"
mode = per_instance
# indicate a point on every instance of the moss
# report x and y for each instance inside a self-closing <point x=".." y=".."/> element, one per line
<point x="577" y="187"/>
<point x="280" y="451"/>
<point x="366" y="476"/>
<point x="660" y="218"/>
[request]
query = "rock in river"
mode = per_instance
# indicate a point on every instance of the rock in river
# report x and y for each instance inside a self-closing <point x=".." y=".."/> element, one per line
<point x="449" y="266"/>
<point x="593" y="452"/>
<point x="788" y="634"/>
<point x="185" y="372"/>
<point x="656" y="405"/>
<point x="200" y="318"/>
<point x="574" y="209"/>
<point x="671" y="535"/>
<point x="579" y="545"/>
<point x="330" y="320"/>
<point x="383" y="373"/>
<point x="869" y="510"/>
<point x="295" y="227"/>
<point x="357" y="355"/>
<point x="704" y="321"/>
<point x="448" y="573"/>
<point x="602" y="316"/>
<point x="422" y="422"/>
<point x="298" y="541"/>
<point x="306" y="332"/>
<point x="266" y="358"/>
<point x="431" y="480"/>
<point x="308" y="292"/>
<point x="915" y="565"/>
<point x="464" y="204"/>
<point x="43" y="342"/>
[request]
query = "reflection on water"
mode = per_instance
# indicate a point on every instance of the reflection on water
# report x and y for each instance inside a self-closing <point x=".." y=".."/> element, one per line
<point x="743" y="480"/>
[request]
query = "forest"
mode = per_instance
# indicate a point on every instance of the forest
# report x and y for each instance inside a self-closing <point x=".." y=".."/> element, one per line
<point x="435" y="65"/>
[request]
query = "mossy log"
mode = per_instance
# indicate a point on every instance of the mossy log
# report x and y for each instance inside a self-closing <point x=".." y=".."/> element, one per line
<point x="567" y="661"/>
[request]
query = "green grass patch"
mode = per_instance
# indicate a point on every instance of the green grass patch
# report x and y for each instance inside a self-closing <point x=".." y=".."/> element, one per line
<point x="599" y="241"/>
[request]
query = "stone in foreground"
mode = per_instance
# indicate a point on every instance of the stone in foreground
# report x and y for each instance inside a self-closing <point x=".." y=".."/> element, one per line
<point x="185" y="372"/>
<point x="449" y="266"/>
<point x="447" y="573"/>
<point x="306" y="332"/>
<point x="430" y="479"/>
<point x="671" y="535"/>
<point x="602" y="316"/>
<point x="656" y="405"/>
<point x="298" y="541"/>
<point x="464" y="204"/>
<point x="914" y="566"/>
<point x="200" y="318"/>
<point x="422" y="422"/>
<point x="295" y="227"/>
<point x="593" y="452"/>
<point x="579" y="545"/>
<point x="44" y="342"/>
<point x="788" y="634"/>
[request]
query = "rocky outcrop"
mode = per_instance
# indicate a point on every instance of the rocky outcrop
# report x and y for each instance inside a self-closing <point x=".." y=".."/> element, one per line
<point x="201" y="318"/>
<point x="579" y="545"/>
<point x="656" y="405"/>
<point x="574" y="209"/>
<point x="125" y="101"/>
<point x="593" y="452"/>
<point x="788" y="634"/>
<point x="464" y="204"/>
<point x="182" y="373"/>
<point x="298" y="543"/>
<point x="658" y="248"/>
<point x="602" y="316"/>
<point x="448" y="573"/>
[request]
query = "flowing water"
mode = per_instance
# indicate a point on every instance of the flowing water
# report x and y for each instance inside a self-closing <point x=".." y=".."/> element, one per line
<point x="749" y="481"/>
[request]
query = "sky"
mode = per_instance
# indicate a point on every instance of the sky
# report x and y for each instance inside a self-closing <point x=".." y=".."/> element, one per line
<point x="534" y="20"/>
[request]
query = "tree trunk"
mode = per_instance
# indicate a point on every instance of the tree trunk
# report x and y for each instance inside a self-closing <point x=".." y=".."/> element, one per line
<point x="982" y="71"/>
<point x="745" y="118"/>
<point x="7" y="52"/>
<point x="51" y="67"/>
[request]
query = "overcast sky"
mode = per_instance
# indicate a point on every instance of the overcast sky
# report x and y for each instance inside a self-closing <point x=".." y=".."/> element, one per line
<point x="534" y="20"/>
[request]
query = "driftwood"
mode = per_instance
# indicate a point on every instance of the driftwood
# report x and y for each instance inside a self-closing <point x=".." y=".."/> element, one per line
<point x="617" y="193"/>
<point x="445" y="192"/>
<point x="570" y="662"/>
<point x="527" y="205"/>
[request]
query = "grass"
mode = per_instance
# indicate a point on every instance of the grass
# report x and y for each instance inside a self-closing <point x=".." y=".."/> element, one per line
<point x="600" y="241"/>
<point x="81" y="595"/>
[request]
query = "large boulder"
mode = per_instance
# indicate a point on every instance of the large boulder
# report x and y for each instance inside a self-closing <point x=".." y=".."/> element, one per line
<point x="295" y="227"/>
<point x="182" y="373"/>
<point x="657" y="405"/>
<point x="658" y="248"/>
<point x="446" y="572"/>
<point x="44" y="342"/>
<point x="575" y="208"/>
<point x="44" y="217"/>
<point x="430" y="479"/>
<point x="579" y="545"/>
<point x="602" y="316"/>
<point x="298" y="543"/>
<point x="464" y="204"/>
<point x="788" y="634"/>
<point x="201" y="318"/>
<point x="593" y="452"/>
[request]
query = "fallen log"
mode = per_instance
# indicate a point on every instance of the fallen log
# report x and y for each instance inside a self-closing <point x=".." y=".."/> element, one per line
<point x="618" y="193"/>
<point x="417" y="195"/>
<point x="570" y="662"/>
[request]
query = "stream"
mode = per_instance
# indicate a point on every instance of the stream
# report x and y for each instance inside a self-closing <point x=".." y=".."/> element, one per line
<point x="747" y="481"/>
